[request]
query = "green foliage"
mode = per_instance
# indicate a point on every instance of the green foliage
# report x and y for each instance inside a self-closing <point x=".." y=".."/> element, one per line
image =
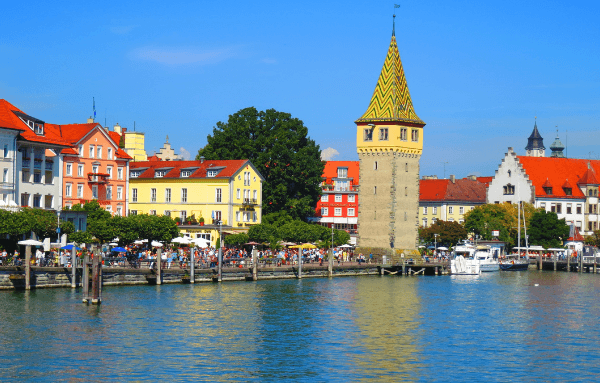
<point x="236" y="239"/>
<point x="545" y="229"/>
<point x="144" y="226"/>
<point x="263" y="233"/>
<point x="593" y="239"/>
<point x="278" y="218"/>
<point x="80" y="237"/>
<point x="279" y="147"/>
<point x="449" y="233"/>
<point x="502" y="217"/>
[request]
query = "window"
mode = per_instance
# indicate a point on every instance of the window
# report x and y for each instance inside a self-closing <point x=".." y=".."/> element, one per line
<point x="383" y="134"/>
<point x="160" y="173"/>
<point x="69" y="170"/>
<point x="119" y="210"/>
<point x="168" y="195"/>
<point x="461" y="210"/>
<point x="183" y="194"/>
<point x="246" y="178"/>
<point x="406" y="167"/>
<point x="120" y="173"/>
<point x="237" y="216"/>
<point x="80" y="170"/>
<point x="95" y="191"/>
<point x="109" y="193"/>
<point x="351" y="197"/>
<point x="186" y="173"/>
<point x="548" y="190"/>
<point x="368" y="134"/>
<point x="324" y="211"/>
<point x="218" y="195"/>
<point x="167" y="213"/>
<point x="543" y="205"/>
<point x="405" y="191"/>
<point x="568" y="208"/>
<point x="424" y="210"/>
<point x="325" y="198"/>
<point x="109" y="153"/>
<point x="37" y="177"/>
<point x="134" y="195"/>
<point x="434" y="210"/>
<point x="414" y="135"/>
<point x="37" y="200"/>
<point x="509" y="189"/>
<point x="152" y="212"/>
<point x="424" y="222"/>
<point x="403" y="134"/>
<point x="553" y="208"/>
<point x="135" y="173"/>
<point x="5" y="176"/>
<point x="25" y="176"/>
<point x="451" y="220"/>
<point x="337" y="212"/>
<point x="153" y="195"/>
<point x="342" y="186"/>
<point x="79" y="190"/>
<point x="375" y="165"/>
<point x="68" y="187"/>
<point x="374" y="189"/>
<point x="5" y="150"/>
<point x="109" y="172"/>
<point x="80" y="150"/>
<point x="99" y="151"/>
<point x="558" y="208"/>
<point x="342" y="172"/>
<point x="92" y="151"/>
<point x="568" y="191"/>
<point x="450" y="210"/>
<point x="350" y="212"/>
<point x="578" y="209"/>
<point x="239" y="194"/>
<point x="212" y="173"/>
<point x="183" y="215"/>
<point x="338" y="198"/>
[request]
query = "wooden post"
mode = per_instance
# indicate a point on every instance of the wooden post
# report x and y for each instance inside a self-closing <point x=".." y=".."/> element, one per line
<point x="540" y="261"/>
<point x="158" y="267"/>
<point x="96" y="278"/>
<point x="73" y="267"/>
<point x="330" y="263"/>
<point x="555" y="256"/>
<point x="85" y="278"/>
<point x="220" y="265"/>
<point x="594" y="263"/>
<point x="27" y="267"/>
<point x="192" y="265"/>
<point x="569" y="262"/>
<point x="300" y="263"/>
<point x="403" y="267"/>
<point x="254" y="264"/>
<point x="580" y="262"/>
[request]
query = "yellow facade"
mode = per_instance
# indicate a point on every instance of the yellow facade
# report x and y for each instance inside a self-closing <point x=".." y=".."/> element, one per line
<point x="135" y="145"/>
<point x="429" y="212"/>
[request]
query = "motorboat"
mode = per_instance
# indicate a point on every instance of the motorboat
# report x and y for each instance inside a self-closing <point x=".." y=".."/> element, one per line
<point x="464" y="262"/>
<point x="487" y="258"/>
<point x="514" y="262"/>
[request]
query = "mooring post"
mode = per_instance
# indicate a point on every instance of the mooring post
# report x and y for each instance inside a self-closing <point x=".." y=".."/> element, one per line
<point x="96" y="277"/>
<point x="569" y="262"/>
<point x="27" y="267"/>
<point x="580" y="261"/>
<point x="403" y="267"/>
<point x="73" y="267"/>
<point x="594" y="263"/>
<point x="330" y="263"/>
<point x="254" y="264"/>
<point x="540" y="261"/>
<point x="192" y="265"/>
<point x="300" y="263"/>
<point x="158" y="267"/>
<point x="85" y="277"/>
<point x="555" y="256"/>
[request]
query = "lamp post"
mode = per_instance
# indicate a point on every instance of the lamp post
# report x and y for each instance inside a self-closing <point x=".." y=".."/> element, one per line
<point x="220" y="257"/>
<point x="58" y="228"/>
<point x="435" y="246"/>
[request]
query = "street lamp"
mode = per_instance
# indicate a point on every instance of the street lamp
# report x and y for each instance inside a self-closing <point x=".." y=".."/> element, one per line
<point x="58" y="228"/>
<point x="435" y="246"/>
<point x="220" y="257"/>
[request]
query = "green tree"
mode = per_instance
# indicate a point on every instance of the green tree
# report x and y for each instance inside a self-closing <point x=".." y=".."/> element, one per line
<point x="80" y="237"/>
<point x="450" y="233"/>
<point x="278" y="145"/>
<point x="100" y="223"/>
<point x="263" y="233"/>
<point x="501" y="217"/>
<point x="545" y="229"/>
<point x="144" y="226"/>
<point x="236" y="239"/>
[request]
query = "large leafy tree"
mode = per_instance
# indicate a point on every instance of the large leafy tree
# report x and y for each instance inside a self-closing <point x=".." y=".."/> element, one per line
<point x="279" y="146"/>
<point x="100" y="224"/>
<point x="501" y="217"/>
<point x="545" y="229"/>
<point x="449" y="233"/>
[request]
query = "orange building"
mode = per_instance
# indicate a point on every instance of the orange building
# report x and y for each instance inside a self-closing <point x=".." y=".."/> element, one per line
<point x="94" y="167"/>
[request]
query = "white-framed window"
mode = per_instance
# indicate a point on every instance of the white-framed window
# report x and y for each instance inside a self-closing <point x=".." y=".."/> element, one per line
<point x="461" y="210"/>
<point x="92" y="151"/>
<point x="186" y="173"/>
<point x="183" y="194"/>
<point x="424" y="222"/>
<point x="80" y="170"/>
<point x="325" y="198"/>
<point x="79" y="190"/>
<point x="351" y="197"/>
<point x="168" y="213"/>
<point x="218" y="195"/>
<point x="5" y="176"/>
<point x="424" y="210"/>
<point x="80" y="150"/>
<point x="342" y="172"/>
<point x="324" y="211"/>
<point x="68" y="188"/>
<point x="160" y="173"/>
<point x="69" y="169"/>
<point x="338" y="198"/>
<point x="255" y="195"/>
<point x="239" y="193"/>
<point x="168" y="195"/>
<point x="109" y="153"/>
<point x="211" y="173"/>
<point x="403" y="134"/>
<point x="383" y="134"/>
<point x="120" y="210"/>
<point x="99" y="151"/>
<point x="109" y="193"/>
<point x="350" y="212"/>
<point x="237" y="216"/>
<point x="450" y="210"/>
<point x="368" y="134"/>
<point x="415" y="135"/>
<point x="134" y="195"/>
<point x="95" y="191"/>
<point x="451" y="220"/>
<point x="434" y="210"/>
<point x="6" y="151"/>
<point x="182" y="215"/>
<point x="109" y="172"/>
<point x="153" y="195"/>
<point x="120" y="173"/>
<point x="337" y="211"/>
<point x="152" y="212"/>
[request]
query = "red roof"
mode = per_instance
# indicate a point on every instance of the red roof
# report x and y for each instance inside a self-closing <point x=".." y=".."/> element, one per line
<point x="550" y="171"/>
<point x="8" y="119"/>
<point x="589" y="178"/>
<point x="577" y="237"/>
<point x="229" y="168"/>
<point x="331" y="170"/>
<point x="465" y="189"/>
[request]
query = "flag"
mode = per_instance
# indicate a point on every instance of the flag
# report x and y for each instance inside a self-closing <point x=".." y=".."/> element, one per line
<point x="396" y="5"/>
<point x="94" y="101"/>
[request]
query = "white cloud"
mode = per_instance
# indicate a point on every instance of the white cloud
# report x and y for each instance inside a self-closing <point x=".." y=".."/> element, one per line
<point x="328" y="154"/>
<point x="184" y="154"/>
<point x="183" y="56"/>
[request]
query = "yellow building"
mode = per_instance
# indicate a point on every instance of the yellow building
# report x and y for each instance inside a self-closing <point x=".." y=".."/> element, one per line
<point x="228" y="192"/>
<point x="134" y="143"/>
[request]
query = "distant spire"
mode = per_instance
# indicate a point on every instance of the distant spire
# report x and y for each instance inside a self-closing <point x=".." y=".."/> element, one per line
<point x="394" y="22"/>
<point x="167" y="138"/>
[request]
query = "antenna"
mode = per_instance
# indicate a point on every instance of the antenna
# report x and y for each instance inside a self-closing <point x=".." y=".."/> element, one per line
<point x="394" y="22"/>
<point x="444" y="162"/>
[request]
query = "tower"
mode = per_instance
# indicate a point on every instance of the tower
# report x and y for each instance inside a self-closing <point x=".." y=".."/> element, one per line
<point x="557" y="148"/>
<point x="535" y="143"/>
<point x="389" y="142"/>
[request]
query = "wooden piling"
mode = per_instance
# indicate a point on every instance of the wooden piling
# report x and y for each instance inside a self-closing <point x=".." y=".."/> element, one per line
<point x="300" y="263"/>
<point x="73" y="267"/>
<point x="569" y="262"/>
<point x="96" y="278"/>
<point x="403" y="267"/>
<point x="330" y="264"/>
<point x="594" y="263"/>
<point x="85" y="278"/>
<point x="158" y="267"/>
<point x="193" y="265"/>
<point x="27" y="267"/>
<point x="539" y="262"/>
<point x="555" y="261"/>
<point x="254" y="264"/>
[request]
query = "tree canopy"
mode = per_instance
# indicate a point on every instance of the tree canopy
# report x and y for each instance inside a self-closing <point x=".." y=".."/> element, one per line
<point x="297" y="231"/>
<point x="449" y="233"/>
<point x="545" y="229"/>
<point x="278" y="145"/>
<point x="484" y="219"/>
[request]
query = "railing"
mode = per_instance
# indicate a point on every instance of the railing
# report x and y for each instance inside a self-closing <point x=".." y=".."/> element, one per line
<point x="249" y="201"/>
<point x="49" y="165"/>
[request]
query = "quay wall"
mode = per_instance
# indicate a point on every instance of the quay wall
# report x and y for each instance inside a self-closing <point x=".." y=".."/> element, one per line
<point x="12" y="277"/>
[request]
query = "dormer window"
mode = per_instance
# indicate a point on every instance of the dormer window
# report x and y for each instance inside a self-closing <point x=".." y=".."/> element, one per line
<point x="186" y="173"/>
<point x="342" y="172"/>
<point x="568" y="191"/>
<point x="160" y="173"/>
<point x="135" y="173"/>
<point x="38" y="128"/>
<point x="368" y="134"/>
<point x="548" y="190"/>
<point x="33" y="123"/>
<point x="212" y="173"/>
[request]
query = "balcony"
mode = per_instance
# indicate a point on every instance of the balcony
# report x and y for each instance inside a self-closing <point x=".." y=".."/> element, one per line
<point x="333" y="189"/>
<point x="249" y="202"/>
<point x="98" y="178"/>
<point x="49" y="164"/>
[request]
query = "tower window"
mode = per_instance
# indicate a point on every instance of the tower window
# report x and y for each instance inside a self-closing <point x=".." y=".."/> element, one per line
<point x="368" y="134"/>
<point x="383" y="134"/>
<point x="415" y="135"/>
<point x="374" y="189"/>
<point x="406" y="167"/>
<point x="403" y="134"/>
<point x="375" y="166"/>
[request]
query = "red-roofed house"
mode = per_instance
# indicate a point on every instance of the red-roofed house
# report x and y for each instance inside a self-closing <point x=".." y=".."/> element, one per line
<point x="566" y="186"/>
<point x="338" y="205"/>
<point x="449" y="199"/>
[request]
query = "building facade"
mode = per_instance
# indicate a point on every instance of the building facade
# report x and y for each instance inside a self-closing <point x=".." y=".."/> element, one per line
<point x="389" y="140"/>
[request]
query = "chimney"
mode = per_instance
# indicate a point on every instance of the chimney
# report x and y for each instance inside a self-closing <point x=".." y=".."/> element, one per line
<point x="90" y="120"/>
<point x="201" y="159"/>
<point x="473" y="177"/>
<point x="117" y="128"/>
<point x="452" y="178"/>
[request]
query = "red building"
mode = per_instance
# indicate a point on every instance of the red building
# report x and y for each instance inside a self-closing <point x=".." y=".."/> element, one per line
<point x="339" y="203"/>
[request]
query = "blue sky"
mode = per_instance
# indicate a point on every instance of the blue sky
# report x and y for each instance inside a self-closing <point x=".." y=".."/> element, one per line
<point x="478" y="72"/>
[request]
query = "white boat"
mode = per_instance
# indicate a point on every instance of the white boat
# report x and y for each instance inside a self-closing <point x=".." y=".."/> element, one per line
<point x="487" y="258"/>
<point x="464" y="262"/>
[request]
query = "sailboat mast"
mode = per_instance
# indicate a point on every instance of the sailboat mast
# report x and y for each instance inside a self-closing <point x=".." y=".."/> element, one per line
<point x="526" y="239"/>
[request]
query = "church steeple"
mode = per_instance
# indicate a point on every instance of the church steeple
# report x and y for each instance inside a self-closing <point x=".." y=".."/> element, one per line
<point x="535" y="143"/>
<point x="391" y="99"/>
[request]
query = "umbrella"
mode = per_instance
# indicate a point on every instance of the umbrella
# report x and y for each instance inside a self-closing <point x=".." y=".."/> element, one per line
<point x="346" y="246"/>
<point x="304" y="246"/>
<point x="252" y="243"/>
<point x="140" y="241"/>
<point x="157" y="244"/>
<point x="442" y="248"/>
<point x="113" y="244"/>
<point x="201" y="242"/>
<point x="181" y="240"/>
<point x="70" y="247"/>
<point x="119" y="249"/>
<point x="30" y="242"/>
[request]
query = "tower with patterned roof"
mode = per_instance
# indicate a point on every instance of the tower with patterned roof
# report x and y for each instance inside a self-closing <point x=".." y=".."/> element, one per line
<point x="389" y="143"/>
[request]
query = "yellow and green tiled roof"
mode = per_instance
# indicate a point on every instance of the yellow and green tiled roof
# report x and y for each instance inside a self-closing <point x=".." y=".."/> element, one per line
<point x="391" y="100"/>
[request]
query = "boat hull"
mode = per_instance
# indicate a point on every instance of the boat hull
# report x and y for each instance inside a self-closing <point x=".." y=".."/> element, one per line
<point x="517" y="266"/>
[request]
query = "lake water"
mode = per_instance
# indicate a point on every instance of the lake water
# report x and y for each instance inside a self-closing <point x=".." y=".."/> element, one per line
<point x="497" y="327"/>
